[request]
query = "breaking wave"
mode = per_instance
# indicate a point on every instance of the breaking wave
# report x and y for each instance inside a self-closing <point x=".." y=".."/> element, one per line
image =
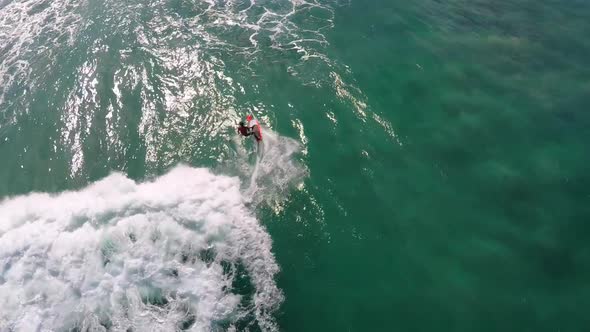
<point x="179" y="253"/>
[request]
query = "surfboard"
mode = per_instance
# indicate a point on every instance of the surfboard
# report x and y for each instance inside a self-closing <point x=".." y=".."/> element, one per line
<point x="251" y="121"/>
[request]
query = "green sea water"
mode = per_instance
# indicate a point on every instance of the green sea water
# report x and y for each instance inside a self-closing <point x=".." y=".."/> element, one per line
<point x="429" y="166"/>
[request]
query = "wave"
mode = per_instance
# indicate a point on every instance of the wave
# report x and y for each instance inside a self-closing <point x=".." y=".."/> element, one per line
<point x="179" y="253"/>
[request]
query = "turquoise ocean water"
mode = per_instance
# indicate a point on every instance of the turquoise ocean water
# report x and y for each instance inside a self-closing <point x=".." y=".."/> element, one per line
<point x="424" y="165"/>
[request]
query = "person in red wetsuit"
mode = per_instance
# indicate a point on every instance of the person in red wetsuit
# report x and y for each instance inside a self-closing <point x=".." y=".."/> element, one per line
<point x="251" y="128"/>
<point x="243" y="130"/>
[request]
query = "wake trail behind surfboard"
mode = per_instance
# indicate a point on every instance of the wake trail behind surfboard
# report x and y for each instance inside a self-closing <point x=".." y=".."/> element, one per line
<point x="275" y="170"/>
<point x="254" y="173"/>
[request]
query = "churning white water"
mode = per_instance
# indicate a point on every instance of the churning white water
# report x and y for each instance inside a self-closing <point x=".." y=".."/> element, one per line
<point x="178" y="253"/>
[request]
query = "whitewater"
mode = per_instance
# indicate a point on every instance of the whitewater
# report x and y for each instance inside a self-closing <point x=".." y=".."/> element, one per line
<point x="161" y="255"/>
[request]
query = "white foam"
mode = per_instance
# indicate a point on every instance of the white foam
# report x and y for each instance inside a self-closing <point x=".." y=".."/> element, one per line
<point x="275" y="170"/>
<point x="152" y="256"/>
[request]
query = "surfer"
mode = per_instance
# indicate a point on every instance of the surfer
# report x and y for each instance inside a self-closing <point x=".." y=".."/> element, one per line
<point x="250" y="127"/>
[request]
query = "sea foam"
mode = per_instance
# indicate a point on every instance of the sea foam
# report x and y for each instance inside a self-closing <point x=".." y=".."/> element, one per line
<point x="179" y="253"/>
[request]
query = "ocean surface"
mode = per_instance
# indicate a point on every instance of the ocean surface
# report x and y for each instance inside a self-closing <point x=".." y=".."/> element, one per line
<point x="424" y="166"/>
